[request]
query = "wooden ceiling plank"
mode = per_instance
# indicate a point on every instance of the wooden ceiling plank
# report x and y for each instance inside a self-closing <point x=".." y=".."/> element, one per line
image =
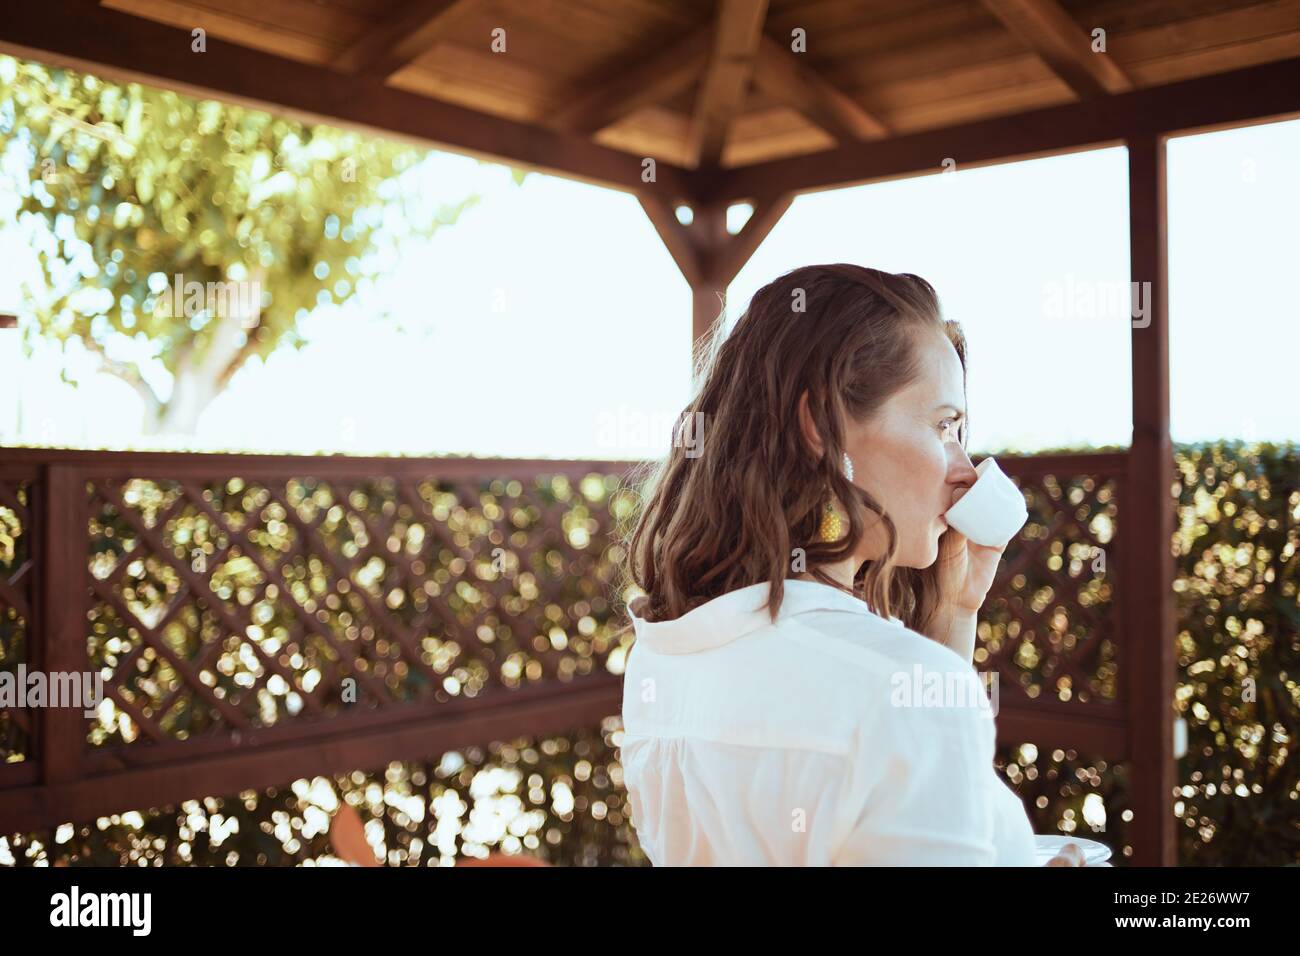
<point x="1047" y="29"/>
<point x="961" y="82"/>
<point x="279" y="39"/>
<point x="1202" y="33"/>
<point x="654" y="78"/>
<point x="935" y="56"/>
<point x="304" y="16"/>
<point x="738" y="30"/>
<point x="1216" y="59"/>
<point x="986" y="104"/>
<point x="857" y="38"/>
<point x="401" y="39"/>
<point x="107" y="43"/>
<point x="1127" y="16"/>
<point x="780" y="74"/>
<point x="653" y="131"/>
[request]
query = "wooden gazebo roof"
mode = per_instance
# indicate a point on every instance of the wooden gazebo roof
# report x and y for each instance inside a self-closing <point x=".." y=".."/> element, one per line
<point x="672" y="79"/>
<point x="581" y="84"/>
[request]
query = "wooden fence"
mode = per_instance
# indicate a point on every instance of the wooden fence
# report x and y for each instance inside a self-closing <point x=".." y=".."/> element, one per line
<point x="258" y="619"/>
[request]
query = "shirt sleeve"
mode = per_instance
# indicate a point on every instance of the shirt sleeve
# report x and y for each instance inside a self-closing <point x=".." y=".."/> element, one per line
<point x="919" y="789"/>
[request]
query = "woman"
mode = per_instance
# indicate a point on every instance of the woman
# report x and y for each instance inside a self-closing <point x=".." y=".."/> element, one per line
<point x="797" y="572"/>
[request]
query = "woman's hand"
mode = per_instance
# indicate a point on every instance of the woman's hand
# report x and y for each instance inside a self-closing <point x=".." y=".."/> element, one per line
<point x="1070" y="855"/>
<point x="966" y="569"/>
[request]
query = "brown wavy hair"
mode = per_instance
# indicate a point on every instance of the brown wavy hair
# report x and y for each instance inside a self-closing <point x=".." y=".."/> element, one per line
<point x="740" y="488"/>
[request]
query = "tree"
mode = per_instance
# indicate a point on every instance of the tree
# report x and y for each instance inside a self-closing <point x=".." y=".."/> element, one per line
<point x="193" y="230"/>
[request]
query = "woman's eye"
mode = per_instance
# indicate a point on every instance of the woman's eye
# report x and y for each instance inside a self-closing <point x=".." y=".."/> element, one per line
<point x="946" y="424"/>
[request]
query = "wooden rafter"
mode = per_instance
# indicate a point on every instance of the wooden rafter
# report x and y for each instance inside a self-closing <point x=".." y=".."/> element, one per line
<point x="738" y="30"/>
<point x="715" y="256"/>
<point x="731" y="255"/>
<point x="401" y="39"/>
<point x="1047" y="29"/>
<point x="781" y="75"/>
<point x="668" y="71"/>
<point x="681" y="241"/>
<point x="660" y="76"/>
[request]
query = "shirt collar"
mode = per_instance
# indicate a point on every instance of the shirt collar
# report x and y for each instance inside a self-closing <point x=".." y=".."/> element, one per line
<point x="737" y="613"/>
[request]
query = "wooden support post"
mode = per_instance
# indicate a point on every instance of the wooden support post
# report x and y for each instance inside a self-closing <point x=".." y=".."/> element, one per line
<point x="1147" y="522"/>
<point x="709" y="256"/>
<point x="709" y="291"/>
<point x="60" y="631"/>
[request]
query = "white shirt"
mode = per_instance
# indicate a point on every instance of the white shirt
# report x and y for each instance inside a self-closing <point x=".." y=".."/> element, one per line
<point x="749" y="743"/>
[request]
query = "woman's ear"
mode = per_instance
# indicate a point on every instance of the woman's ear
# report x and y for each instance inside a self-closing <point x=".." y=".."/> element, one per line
<point x="811" y="438"/>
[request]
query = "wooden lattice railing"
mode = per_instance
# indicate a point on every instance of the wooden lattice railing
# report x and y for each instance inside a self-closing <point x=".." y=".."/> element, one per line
<point x="1052" y="627"/>
<point x="262" y="618"/>
<point x="256" y="617"/>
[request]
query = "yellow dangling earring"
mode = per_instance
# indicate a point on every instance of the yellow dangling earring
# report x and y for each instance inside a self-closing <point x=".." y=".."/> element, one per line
<point x="832" y="526"/>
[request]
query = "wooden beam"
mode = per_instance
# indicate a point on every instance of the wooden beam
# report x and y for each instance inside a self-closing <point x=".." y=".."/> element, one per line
<point x="25" y="464"/>
<point x="400" y="39"/>
<point x="1102" y="735"/>
<point x="1047" y="29"/>
<point x="721" y="257"/>
<point x="708" y="297"/>
<point x="680" y="240"/>
<point x="1147" y="521"/>
<point x="708" y="308"/>
<point x="58" y="641"/>
<point x="1270" y="91"/>
<point x="124" y="47"/>
<point x="652" y="79"/>
<point x="730" y="256"/>
<point x="738" y="28"/>
<point x="782" y="75"/>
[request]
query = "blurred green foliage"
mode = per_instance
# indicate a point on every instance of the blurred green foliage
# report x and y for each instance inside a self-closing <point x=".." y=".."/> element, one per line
<point x="128" y="186"/>
<point x="560" y="799"/>
<point x="1238" y="613"/>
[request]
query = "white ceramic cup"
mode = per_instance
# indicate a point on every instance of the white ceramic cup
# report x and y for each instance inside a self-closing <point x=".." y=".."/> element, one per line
<point x="992" y="511"/>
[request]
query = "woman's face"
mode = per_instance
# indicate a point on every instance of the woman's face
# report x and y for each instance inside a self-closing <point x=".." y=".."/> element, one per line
<point x="909" y="456"/>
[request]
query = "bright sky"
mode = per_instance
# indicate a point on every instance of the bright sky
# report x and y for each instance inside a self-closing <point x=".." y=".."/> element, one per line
<point x="551" y="322"/>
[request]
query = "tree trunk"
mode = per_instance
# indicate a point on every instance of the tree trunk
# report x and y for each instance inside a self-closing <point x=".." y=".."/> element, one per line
<point x="198" y="382"/>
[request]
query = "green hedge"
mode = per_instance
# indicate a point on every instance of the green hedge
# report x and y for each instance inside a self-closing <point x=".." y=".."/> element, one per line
<point x="1238" y="612"/>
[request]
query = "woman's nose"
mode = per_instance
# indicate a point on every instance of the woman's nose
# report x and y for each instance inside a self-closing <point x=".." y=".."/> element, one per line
<point x="960" y="470"/>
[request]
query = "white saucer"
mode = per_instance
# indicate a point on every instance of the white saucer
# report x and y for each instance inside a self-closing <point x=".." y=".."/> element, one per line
<point x="1094" y="853"/>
